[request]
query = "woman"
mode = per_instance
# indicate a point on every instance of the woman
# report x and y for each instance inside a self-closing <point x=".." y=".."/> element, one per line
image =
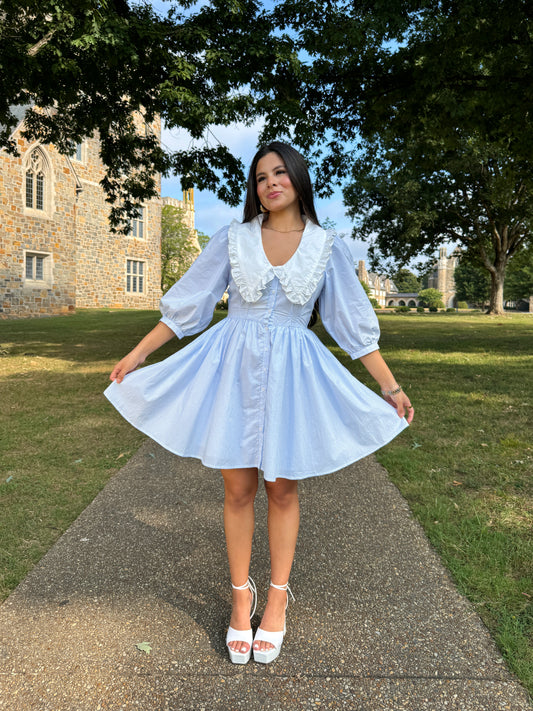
<point x="259" y="390"/>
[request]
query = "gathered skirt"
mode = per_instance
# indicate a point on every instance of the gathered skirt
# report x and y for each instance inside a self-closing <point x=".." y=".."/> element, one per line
<point x="244" y="394"/>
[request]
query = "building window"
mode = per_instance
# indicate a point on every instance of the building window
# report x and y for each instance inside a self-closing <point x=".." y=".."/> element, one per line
<point x="137" y="224"/>
<point x="77" y="153"/>
<point x="35" y="181"/>
<point x="38" y="268"/>
<point x="38" y="199"/>
<point x="134" y="276"/>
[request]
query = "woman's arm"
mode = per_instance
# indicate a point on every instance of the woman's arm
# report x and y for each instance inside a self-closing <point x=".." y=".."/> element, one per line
<point x="381" y="372"/>
<point x="150" y="343"/>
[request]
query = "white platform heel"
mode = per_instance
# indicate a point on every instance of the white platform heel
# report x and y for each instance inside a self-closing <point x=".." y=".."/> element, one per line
<point x="275" y="638"/>
<point x="234" y="635"/>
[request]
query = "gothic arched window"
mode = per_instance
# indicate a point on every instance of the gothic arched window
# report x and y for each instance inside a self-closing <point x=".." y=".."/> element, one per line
<point x="36" y="177"/>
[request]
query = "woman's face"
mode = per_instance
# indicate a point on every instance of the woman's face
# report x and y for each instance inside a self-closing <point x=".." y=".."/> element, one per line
<point x="274" y="187"/>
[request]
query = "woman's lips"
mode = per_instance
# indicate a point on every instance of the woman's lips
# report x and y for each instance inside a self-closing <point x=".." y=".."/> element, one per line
<point x="271" y="196"/>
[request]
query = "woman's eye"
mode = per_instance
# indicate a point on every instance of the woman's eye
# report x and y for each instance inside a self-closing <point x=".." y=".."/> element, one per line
<point x="260" y="180"/>
<point x="280" y="172"/>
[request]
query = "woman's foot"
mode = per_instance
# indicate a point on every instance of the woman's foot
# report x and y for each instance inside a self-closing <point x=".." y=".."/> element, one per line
<point x="240" y="618"/>
<point x="269" y="636"/>
<point x="273" y="617"/>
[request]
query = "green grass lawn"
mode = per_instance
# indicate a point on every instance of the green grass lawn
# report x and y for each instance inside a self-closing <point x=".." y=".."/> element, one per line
<point x="465" y="465"/>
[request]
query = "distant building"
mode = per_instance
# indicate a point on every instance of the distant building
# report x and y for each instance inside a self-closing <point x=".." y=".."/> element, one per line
<point x="57" y="251"/>
<point x="188" y="255"/>
<point x="385" y="292"/>
<point x="380" y="286"/>
<point x="442" y="276"/>
<point x="187" y="205"/>
<point x="403" y="298"/>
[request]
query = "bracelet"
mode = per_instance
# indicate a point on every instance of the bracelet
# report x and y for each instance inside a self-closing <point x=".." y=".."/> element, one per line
<point x="392" y="392"/>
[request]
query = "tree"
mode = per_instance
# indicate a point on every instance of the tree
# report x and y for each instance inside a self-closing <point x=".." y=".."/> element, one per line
<point x="203" y="239"/>
<point x="519" y="282"/>
<point x="436" y="98"/>
<point x="82" y="66"/>
<point x="179" y="246"/>
<point x="406" y="281"/>
<point x="431" y="297"/>
<point x="472" y="283"/>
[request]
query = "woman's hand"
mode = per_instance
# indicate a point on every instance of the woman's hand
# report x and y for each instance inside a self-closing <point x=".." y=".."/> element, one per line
<point x="402" y="404"/>
<point x="126" y="365"/>
<point x="150" y="343"/>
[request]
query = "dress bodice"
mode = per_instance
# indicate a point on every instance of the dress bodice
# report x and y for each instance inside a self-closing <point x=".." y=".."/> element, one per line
<point x="273" y="308"/>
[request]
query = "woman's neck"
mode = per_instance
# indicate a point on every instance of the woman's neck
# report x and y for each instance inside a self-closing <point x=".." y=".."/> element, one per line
<point x="284" y="220"/>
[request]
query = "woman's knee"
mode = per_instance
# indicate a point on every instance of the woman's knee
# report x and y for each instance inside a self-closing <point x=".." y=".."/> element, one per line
<point x="282" y="492"/>
<point x="240" y="486"/>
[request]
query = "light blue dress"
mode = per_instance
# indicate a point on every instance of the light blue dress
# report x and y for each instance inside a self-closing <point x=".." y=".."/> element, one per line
<point x="259" y="389"/>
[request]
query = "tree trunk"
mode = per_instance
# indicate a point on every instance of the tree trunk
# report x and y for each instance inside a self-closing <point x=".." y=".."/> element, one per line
<point x="497" y="276"/>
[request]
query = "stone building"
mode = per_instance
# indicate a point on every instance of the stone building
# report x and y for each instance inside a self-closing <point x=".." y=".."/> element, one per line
<point x="442" y="276"/>
<point x="57" y="251"/>
<point x="380" y="286"/>
<point x="187" y="205"/>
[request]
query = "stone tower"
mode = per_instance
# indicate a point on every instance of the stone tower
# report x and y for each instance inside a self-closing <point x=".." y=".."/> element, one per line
<point x="442" y="277"/>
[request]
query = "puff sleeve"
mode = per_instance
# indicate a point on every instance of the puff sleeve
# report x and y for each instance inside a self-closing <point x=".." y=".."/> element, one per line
<point x="345" y="309"/>
<point x="187" y="307"/>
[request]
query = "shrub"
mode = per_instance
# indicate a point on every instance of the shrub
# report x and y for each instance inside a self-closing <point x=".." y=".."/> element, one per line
<point x="420" y="309"/>
<point x="450" y="310"/>
<point x="433" y="309"/>
<point x="462" y="305"/>
<point x="374" y="303"/>
<point x="402" y="309"/>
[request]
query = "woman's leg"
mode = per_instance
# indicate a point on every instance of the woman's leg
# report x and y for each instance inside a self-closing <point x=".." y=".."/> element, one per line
<point x="240" y="487"/>
<point x="283" y="523"/>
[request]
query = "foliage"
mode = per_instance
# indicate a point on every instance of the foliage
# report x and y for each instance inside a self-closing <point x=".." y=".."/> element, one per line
<point x="472" y="283"/>
<point x="436" y="99"/>
<point x="406" y="281"/>
<point x="462" y="305"/>
<point x="402" y="309"/>
<point x="91" y="64"/>
<point x="203" y="239"/>
<point x="366" y="288"/>
<point x="519" y="282"/>
<point x="431" y="297"/>
<point x="375" y="303"/>
<point x="420" y="309"/>
<point x="178" y="246"/>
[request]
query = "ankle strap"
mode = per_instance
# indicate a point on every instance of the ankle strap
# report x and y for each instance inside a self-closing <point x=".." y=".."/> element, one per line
<point x="241" y="587"/>
<point x="249" y="584"/>
<point x="283" y="587"/>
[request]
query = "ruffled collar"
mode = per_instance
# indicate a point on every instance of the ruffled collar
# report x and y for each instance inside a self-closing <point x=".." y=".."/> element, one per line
<point x="299" y="277"/>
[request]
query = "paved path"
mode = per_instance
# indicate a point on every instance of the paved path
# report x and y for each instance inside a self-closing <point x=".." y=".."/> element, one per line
<point x="377" y="624"/>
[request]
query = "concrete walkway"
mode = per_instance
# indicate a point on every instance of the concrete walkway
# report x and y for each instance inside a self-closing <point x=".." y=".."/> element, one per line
<point x="377" y="624"/>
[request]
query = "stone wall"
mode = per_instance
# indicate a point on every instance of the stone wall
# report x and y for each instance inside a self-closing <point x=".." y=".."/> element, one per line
<point x="49" y="234"/>
<point x="102" y="255"/>
<point x="78" y="261"/>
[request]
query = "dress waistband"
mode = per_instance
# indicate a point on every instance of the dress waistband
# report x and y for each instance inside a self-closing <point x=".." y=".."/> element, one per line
<point x="270" y="321"/>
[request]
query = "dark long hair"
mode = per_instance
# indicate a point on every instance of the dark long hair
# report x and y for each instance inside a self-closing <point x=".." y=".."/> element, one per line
<point x="298" y="173"/>
<point x="301" y="182"/>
